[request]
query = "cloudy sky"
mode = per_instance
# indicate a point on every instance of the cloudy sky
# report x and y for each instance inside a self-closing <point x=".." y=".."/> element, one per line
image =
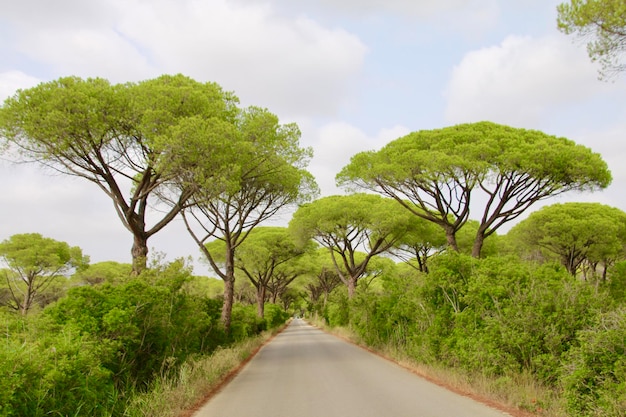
<point x="353" y="74"/>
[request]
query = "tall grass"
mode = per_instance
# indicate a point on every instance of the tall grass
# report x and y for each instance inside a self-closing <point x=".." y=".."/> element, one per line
<point x="173" y="395"/>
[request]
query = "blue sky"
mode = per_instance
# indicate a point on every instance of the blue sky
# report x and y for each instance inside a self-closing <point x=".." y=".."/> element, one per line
<point x="353" y="74"/>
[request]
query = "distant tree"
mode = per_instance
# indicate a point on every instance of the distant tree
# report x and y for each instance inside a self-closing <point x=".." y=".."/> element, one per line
<point x="323" y="277"/>
<point x="350" y="225"/>
<point x="101" y="272"/>
<point x="124" y="138"/>
<point x="267" y="176"/>
<point x="602" y="24"/>
<point x="34" y="262"/>
<point x="422" y="240"/>
<point x="286" y="275"/>
<point x="203" y="287"/>
<point x="438" y="174"/>
<point x="575" y="233"/>
<point x="267" y="258"/>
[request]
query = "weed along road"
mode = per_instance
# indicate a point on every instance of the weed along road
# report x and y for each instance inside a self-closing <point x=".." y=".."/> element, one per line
<point x="304" y="372"/>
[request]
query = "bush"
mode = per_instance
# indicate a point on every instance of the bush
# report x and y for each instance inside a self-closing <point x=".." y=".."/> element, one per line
<point x="617" y="282"/>
<point x="595" y="374"/>
<point x="275" y="316"/>
<point x="245" y="322"/>
<point x="337" y="311"/>
<point x="43" y="373"/>
<point x="150" y="321"/>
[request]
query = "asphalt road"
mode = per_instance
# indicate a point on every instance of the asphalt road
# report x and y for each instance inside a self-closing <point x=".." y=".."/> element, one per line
<point x="304" y="372"/>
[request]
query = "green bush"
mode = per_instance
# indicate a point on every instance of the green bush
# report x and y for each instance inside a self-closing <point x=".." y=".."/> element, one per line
<point x="152" y="323"/>
<point x="595" y="373"/>
<point x="337" y="311"/>
<point x="275" y="316"/>
<point x="246" y="322"/>
<point x="616" y="284"/>
<point x="44" y="372"/>
<point x="95" y="349"/>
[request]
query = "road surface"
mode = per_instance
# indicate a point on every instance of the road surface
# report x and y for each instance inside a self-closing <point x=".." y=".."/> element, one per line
<point x="304" y="372"/>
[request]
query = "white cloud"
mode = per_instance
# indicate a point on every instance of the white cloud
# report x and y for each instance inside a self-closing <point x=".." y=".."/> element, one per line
<point x="421" y="9"/>
<point x="293" y="66"/>
<point x="63" y="208"/>
<point x="11" y="81"/>
<point x="337" y="142"/>
<point x="519" y="81"/>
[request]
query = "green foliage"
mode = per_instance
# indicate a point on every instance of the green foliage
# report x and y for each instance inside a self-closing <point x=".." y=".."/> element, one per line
<point x="595" y="373"/>
<point x="142" y="132"/>
<point x="337" y="312"/>
<point x="246" y="322"/>
<point x="275" y="316"/>
<point x="150" y="325"/>
<point x="46" y="369"/>
<point x="616" y="285"/>
<point x="602" y="23"/>
<point x="422" y="240"/>
<point x="99" y="346"/>
<point x="435" y="174"/>
<point x="34" y="263"/>
<point x="270" y="259"/>
<point x="499" y="317"/>
<point x="574" y="234"/>
<point x="349" y="224"/>
<point x="110" y="272"/>
<point x="200" y="286"/>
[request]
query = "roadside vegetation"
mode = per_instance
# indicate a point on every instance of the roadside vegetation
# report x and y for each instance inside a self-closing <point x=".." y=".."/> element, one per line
<point x="102" y="350"/>
<point x="524" y="334"/>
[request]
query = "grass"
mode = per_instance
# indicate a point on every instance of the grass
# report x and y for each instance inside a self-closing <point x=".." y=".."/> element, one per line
<point x="180" y="394"/>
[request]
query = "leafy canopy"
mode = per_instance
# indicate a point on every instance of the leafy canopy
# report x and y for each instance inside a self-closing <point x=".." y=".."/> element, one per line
<point x="602" y="24"/>
<point x="574" y="233"/>
<point x="438" y="174"/>
<point x="135" y="141"/>
<point x="33" y="262"/>
<point x="354" y="228"/>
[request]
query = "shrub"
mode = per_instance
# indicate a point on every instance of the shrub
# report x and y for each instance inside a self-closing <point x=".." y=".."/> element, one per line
<point x="275" y="316"/>
<point x="595" y="374"/>
<point x="43" y="373"/>
<point x="246" y="322"/>
<point x="151" y="322"/>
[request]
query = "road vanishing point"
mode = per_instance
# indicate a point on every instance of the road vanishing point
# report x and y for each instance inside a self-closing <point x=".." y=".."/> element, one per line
<point x="305" y="372"/>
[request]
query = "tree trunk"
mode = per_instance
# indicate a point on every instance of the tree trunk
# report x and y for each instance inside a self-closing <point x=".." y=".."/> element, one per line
<point x="139" y="253"/>
<point x="229" y="289"/>
<point x="351" y="287"/>
<point x="479" y="240"/>
<point x="260" y="300"/>
<point x="451" y="238"/>
<point x="27" y="302"/>
<point x="227" y="307"/>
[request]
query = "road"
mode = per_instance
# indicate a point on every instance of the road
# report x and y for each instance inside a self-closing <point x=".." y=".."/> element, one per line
<point x="304" y="372"/>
